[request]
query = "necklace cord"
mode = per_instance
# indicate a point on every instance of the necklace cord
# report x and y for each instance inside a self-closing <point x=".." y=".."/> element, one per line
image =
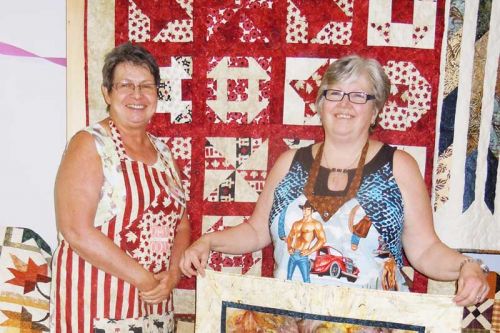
<point x="328" y="205"/>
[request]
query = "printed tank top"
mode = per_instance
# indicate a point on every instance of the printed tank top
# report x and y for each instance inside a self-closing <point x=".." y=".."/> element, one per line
<point x="359" y="246"/>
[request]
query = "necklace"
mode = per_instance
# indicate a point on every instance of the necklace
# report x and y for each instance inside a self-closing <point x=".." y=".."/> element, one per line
<point x="328" y="205"/>
<point x="340" y="170"/>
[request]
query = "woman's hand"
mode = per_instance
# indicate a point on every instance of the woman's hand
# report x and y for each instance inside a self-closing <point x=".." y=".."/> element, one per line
<point x="194" y="259"/>
<point x="146" y="282"/>
<point x="472" y="286"/>
<point x="166" y="282"/>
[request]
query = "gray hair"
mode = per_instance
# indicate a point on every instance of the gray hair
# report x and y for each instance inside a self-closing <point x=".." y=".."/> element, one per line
<point x="351" y="67"/>
<point x="128" y="52"/>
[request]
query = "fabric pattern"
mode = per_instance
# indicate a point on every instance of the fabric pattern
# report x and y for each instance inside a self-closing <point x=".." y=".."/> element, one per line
<point x="25" y="277"/>
<point x="306" y="24"/>
<point x="386" y="213"/>
<point x="85" y="298"/>
<point x="249" y="263"/>
<point x="250" y="69"/>
<point x="351" y="253"/>
<point x="400" y="25"/>
<point x="485" y="317"/>
<point x="466" y="168"/>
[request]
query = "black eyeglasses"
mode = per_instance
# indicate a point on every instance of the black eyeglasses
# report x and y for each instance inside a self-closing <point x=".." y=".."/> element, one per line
<point x="356" y="97"/>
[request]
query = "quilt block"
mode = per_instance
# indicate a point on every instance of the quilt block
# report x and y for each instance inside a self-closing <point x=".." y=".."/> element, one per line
<point x="25" y="277"/>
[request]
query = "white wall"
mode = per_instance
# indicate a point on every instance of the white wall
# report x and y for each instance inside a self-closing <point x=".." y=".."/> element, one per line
<point x="32" y="113"/>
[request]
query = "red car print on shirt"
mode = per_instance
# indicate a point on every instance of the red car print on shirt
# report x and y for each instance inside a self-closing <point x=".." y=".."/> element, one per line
<point x="331" y="261"/>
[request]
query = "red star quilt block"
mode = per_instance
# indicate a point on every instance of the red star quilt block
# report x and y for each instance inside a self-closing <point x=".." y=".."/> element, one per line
<point x="319" y="22"/>
<point x="247" y="21"/>
<point x="25" y="276"/>
<point x="302" y="79"/>
<point x="160" y="21"/>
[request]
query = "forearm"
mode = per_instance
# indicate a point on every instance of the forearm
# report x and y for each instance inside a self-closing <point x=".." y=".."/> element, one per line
<point x="439" y="262"/>
<point x="181" y="242"/>
<point x="243" y="238"/>
<point x="317" y="246"/>
<point x="98" y="250"/>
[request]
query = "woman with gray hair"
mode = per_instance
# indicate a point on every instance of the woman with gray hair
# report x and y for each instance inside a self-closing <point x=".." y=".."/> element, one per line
<point x="370" y="198"/>
<point x="120" y="212"/>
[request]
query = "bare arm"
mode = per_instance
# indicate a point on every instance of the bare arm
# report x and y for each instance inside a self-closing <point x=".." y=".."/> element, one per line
<point x="423" y="248"/>
<point x="181" y="243"/>
<point x="292" y="236"/>
<point x="77" y="191"/>
<point x="245" y="237"/>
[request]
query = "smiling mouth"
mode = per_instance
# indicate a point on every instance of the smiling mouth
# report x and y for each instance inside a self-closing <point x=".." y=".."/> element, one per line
<point x="343" y="116"/>
<point x="136" y="106"/>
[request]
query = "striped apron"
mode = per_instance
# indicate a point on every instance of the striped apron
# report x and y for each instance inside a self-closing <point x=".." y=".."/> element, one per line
<point x="86" y="299"/>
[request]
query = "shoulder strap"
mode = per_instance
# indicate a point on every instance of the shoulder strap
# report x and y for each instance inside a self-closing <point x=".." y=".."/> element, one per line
<point x="117" y="140"/>
<point x="173" y="177"/>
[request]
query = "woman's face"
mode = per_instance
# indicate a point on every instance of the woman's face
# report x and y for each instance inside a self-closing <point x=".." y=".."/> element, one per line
<point x="344" y="119"/>
<point x="133" y="97"/>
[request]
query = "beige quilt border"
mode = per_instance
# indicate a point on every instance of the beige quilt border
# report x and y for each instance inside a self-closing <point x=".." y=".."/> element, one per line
<point x="437" y="313"/>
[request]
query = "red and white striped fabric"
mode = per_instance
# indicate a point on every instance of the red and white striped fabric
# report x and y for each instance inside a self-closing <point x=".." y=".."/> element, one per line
<point x="87" y="299"/>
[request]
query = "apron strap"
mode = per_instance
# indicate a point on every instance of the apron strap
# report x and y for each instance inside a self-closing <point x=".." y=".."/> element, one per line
<point x="117" y="139"/>
<point x="174" y="182"/>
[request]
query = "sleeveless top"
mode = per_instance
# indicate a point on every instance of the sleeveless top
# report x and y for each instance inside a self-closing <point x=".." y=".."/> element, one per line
<point x="360" y="244"/>
<point x="139" y="208"/>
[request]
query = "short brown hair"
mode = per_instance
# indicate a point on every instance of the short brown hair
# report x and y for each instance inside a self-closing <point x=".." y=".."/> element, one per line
<point x="128" y="52"/>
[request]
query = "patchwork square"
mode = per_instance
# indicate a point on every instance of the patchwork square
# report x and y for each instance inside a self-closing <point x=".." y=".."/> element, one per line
<point x="410" y="97"/>
<point x="302" y="80"/>
<point x="238" y="90"/>
<point x="248" y="263"/>
<point x="244" y="21"/>
<point x="386" y="30"/>
<point x="25" y="277"/>
<point x="319" y="22"/>
<point x="160" y="21"/>
<point x="175" y="90"/>
<point x="478" y="316"/>
<point x="235" y="169"/>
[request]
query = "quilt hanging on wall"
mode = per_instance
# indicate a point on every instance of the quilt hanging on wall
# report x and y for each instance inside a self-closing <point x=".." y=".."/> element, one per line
<point x="239" y="79"/>
<point x="466" y="183"/>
